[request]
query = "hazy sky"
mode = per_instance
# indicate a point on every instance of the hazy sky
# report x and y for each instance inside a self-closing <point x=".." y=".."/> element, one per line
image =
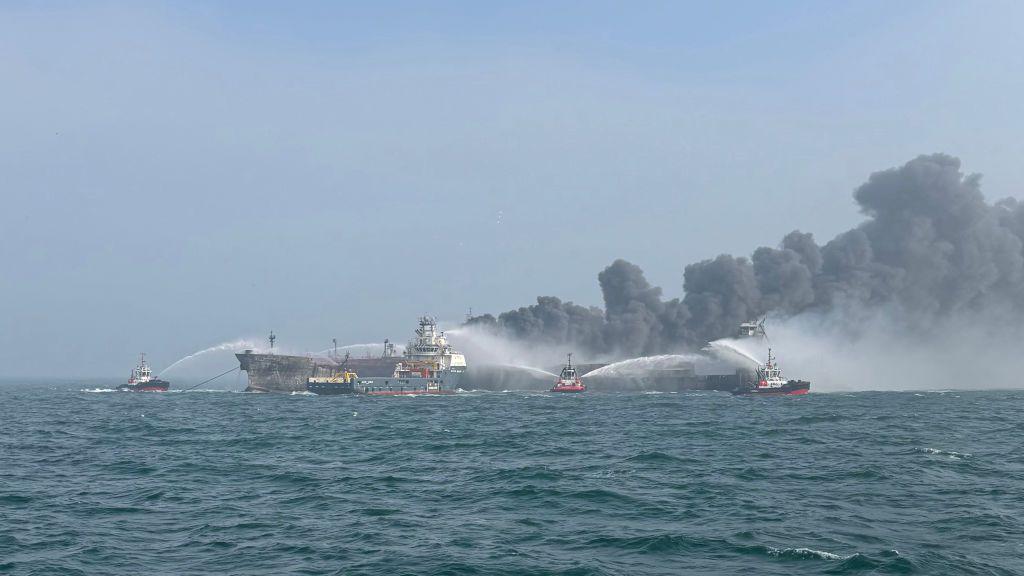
<point x="173" y="177"/>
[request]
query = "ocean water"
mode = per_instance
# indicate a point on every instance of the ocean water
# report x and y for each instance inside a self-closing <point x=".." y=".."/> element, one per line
<point x="510" y="483"/>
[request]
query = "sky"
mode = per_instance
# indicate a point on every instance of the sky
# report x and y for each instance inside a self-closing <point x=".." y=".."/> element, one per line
<point x="177" y="175"/>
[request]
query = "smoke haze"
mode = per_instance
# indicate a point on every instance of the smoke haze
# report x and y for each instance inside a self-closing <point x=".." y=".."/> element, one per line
<point x="926" y="292"/>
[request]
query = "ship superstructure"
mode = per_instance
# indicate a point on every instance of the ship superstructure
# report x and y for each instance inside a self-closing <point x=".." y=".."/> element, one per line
<point x="752" y="329"/>
<point x="429" y="365"/>
<point x="430" y="352"/>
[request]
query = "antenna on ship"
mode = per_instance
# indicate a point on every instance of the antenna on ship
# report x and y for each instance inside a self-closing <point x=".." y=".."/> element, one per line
<point x="335" y="341"/>
<point x="570" y="359"/>
<point x="272" y="339"/>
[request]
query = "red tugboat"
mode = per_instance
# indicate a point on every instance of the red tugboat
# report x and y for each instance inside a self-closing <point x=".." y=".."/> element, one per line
<point x="569" y="380"/>
<point x="770" y="382"/>
<point x="142" y="379"/>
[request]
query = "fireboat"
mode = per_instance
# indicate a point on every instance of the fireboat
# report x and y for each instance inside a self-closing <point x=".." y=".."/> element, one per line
<point x="142" y="379"/>
<point x="770" y="382"/>
<point x="569" y="380"/>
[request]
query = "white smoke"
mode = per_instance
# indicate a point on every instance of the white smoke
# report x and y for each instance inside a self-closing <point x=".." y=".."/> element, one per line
<point x="482" y="346"/>
<point x="956" y="353"/>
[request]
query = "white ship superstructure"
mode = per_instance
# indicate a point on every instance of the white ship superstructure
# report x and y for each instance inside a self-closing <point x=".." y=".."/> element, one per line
<point x="431" y="346"/>
<point x="429" y="365"/>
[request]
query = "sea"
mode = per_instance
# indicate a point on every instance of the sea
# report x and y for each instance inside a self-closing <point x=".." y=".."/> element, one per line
<point x="213" y="482"/>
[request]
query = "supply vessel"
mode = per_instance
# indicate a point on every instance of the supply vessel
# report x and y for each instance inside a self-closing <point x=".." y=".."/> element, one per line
<point x="770" y="382"/>
<point x="142" y="379"/>
<point x="429" y="365"/>
<point x="569" y="380"/>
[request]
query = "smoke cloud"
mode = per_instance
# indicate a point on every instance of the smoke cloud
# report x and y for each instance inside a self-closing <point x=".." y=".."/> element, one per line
<point x="931" y="254"/>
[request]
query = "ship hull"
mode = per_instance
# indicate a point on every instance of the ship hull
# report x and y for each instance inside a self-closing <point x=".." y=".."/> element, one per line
<point x="791" y="388"/>
<point x="389" y="386"/>
<point x="410" y="392"/>
<point x="331" y="388"/>
<point x="569" y="389"/>
<point x="151" y="386"/>
<point x="446" y="383"/>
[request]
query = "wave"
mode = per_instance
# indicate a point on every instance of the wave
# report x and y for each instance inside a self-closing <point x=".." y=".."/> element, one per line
<point x="804" y="554"/>
<point x="832" y="417"/>
<point x="950" y="453"/>
<point x="658" y="457"/>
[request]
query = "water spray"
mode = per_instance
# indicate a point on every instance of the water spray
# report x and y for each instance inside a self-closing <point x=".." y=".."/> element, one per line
<point x="233" y="345"/>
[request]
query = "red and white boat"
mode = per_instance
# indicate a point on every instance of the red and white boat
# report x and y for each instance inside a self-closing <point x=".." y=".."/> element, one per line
<point x="569" y="380"/>
<point x="771" y="382"/>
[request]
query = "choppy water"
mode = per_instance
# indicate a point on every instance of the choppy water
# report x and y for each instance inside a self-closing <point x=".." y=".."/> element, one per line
<point x="510" y="483"/>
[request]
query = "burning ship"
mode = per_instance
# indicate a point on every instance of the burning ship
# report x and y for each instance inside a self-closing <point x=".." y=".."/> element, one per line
<point x="428" y="355"/>
<point x="668" y="373"/>
<point x="270" y="372"/>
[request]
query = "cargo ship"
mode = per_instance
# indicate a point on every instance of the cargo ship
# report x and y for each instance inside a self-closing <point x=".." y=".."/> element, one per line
<point x="429" y="365"/>
<point x="569" y="380"/>
<point x="142" y="379"/>
<point x="770" y="382"/>
<point x="271" y="372"/>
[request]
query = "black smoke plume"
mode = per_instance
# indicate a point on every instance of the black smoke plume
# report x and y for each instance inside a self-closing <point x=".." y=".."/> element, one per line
<point x="931" y="247"/>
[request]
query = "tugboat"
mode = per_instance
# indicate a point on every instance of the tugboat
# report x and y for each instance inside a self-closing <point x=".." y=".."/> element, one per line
<point x="770" y="382"/>
<point x="142" y="379"/>
<point x="569" y="380"/>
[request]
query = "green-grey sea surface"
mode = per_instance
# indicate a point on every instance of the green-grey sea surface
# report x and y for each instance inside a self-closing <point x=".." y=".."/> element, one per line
<point x="510" y="483"/>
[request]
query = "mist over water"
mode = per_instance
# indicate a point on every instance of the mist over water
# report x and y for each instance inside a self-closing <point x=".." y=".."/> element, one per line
<point x="928" y="291"/>
<point x="956" y="353"/>
<point x="634" y="367"/>
<point x="484" y="347"/>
